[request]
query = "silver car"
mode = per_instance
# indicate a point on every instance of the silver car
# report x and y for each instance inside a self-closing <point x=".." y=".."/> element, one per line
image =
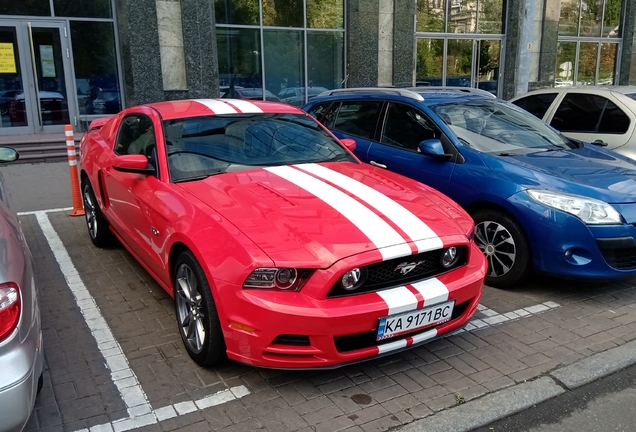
<point x="21" y="354"/>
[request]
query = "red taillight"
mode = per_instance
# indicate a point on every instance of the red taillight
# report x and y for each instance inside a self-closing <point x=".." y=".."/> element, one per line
<point x="9" y="308"/>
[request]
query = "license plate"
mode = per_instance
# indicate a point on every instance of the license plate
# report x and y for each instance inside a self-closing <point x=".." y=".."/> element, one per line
<point x="406" y="322"/>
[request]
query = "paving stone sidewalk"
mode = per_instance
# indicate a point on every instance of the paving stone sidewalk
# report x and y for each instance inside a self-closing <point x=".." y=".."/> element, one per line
<point x="374" y="395"/>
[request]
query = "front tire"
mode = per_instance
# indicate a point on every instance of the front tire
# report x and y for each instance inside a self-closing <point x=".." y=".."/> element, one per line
<point x="196" y="313"/>
<point x="96" y="223"/>
<point x="505" y="246"/>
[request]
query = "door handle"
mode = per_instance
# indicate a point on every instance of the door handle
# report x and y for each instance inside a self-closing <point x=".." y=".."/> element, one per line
<point x="378" y="164"/>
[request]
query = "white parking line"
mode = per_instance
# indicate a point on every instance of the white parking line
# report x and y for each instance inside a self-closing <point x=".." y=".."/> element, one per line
<point x="139" y="410"/>
<point x="493" y="317"/>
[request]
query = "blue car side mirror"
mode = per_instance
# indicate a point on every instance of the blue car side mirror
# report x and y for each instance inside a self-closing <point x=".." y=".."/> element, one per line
<point x="433" y="148"/>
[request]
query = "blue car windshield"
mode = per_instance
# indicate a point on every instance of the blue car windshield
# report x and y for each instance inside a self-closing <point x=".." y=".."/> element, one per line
<point x="198" y="147"/>
<point x="492" y="126"/>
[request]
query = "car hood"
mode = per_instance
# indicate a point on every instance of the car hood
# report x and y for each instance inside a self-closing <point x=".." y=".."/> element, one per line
<point x="583" y="171"/>
<point x="275" y="209"/>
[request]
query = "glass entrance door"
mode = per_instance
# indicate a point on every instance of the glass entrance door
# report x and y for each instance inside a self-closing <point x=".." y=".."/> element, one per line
<point x="34" y="77"/>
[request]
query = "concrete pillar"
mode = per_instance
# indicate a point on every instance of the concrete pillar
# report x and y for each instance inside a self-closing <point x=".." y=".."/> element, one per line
<point x="380" y="43"/>
<point x="179" y="64"/>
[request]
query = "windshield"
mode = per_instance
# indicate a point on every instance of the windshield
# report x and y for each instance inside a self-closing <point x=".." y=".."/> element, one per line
<point x="492" y="126"/>
<point x="198" y="147"/>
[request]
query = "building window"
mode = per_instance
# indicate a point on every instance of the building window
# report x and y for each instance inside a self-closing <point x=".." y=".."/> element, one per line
<point x="294" y="49"/>
<point x="459" y="43"/>
<point x="589" y="39"/>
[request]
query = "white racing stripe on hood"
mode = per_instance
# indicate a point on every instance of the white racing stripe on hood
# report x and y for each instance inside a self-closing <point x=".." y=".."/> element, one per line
<point x="389" y="242"/>
<point x="422" y="235"/>
<point x="433" y="290"/>
<point x="216" y="106"/>
<point x="245" y="106"/>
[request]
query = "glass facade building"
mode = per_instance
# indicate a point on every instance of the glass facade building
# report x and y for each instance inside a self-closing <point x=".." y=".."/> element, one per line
<point x="64" y="61"/>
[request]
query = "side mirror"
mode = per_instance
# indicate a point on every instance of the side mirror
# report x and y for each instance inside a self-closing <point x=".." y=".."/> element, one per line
<point x="349" y="143"/>
<point x="136" y="164"/>
<point x="433" y="148"/>
<point x="8" y="154"/>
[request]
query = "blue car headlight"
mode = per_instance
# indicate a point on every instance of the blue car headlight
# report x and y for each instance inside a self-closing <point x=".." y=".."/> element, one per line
<point x="589" y="210"/>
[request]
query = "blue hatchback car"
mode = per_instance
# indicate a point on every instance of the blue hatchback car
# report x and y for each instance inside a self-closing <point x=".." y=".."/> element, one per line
<point x="540" y="201"/>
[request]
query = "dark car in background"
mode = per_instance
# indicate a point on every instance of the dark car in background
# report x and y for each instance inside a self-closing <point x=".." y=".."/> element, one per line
<point x="107" y="102"/>
<point x="53" y="108"/>
<point x="249" y="93"/>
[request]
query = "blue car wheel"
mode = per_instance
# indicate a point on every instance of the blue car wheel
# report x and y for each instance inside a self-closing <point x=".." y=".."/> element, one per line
<point x="503" y="242"/>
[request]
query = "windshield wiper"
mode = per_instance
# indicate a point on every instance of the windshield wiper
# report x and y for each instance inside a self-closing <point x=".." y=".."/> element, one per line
<point x="199" y="177"/>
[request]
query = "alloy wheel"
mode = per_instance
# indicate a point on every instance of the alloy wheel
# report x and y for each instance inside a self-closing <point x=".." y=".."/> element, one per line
<point x="496" y="242"/>
<point x="90" y="212"/>
<point x="190" y="309"/>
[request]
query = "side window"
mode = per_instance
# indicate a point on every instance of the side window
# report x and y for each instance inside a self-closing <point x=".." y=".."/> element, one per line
<point x="405" y="127"/>
<point x="358" y="118"/>
<point x="324" y="113"/>
<point x="579" y="112"/>
<point x="136" y="136"/>
<point x="614" y="120"/>
<point x="536" y="105"/>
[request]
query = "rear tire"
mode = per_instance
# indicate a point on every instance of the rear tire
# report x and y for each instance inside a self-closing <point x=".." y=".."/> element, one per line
<point x="196" y="313"/>
<point x="95" y="222"/>
<point x="505" y="246"/>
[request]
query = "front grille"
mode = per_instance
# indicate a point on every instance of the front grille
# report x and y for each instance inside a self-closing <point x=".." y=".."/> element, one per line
<point x="620" y="258"/>
<point x="289" y="339"/>
<point x="367" y="339"/>
<point x="386" y="274"/>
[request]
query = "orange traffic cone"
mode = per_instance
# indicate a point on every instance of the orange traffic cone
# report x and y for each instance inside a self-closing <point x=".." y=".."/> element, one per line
<point x="78" y="207"/>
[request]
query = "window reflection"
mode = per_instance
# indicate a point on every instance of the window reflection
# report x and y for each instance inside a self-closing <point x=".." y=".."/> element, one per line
<point x="95" y="63"/>
<point x="488" y="65"/>
<point x="587" y="63"/>
<point x="25" y="7"/>
<point x="283" y="13"/>
<point x="430" y="61"/>
<point x="239" y="53"/>
<point x="237" y="11"/>
<point x="83" y="8"/>
<point x="569" y="20"/>
<point x="612" y="18"/>
<point x="606" y="65"/>
<point x="490" y="16"/>
<point x="325" y="14"/>
<point x="591" y="15"/>
<point x="284" y="71"/>
<point x="459" y="62"/>
<point x="325" y="60"/>
<point x="11" y="83"/>
<point x="431" y="15"/>
<point x="566" y="57"/>
<point x="462" y="16"/>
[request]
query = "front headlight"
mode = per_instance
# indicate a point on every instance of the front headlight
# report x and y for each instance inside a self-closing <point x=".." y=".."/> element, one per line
<point x="590" y="211"/>
<point x="285" y="279"/>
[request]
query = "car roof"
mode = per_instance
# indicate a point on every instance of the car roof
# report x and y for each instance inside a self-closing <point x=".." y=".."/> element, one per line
<point x="204" y="107"/>
<point x="581" y="89"/>
<point x="427" y="95"/>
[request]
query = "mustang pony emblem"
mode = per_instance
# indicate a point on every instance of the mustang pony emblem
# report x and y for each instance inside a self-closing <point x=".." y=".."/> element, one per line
<point x="406" y="267"/>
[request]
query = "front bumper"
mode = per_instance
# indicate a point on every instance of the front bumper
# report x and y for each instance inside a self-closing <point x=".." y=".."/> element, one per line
<point x="333" y="331"/>
<point x="562" y="245"/>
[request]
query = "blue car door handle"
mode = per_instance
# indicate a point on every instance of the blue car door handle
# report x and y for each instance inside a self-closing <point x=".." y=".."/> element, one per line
<point x="374" y="163"/>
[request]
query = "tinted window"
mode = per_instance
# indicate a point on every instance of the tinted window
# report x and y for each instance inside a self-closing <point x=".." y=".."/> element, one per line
<point x="358" y="118"/>
<point x="202" y="146"/>
<point x="324" y="113"/>
<point x="405" y="127"/>
<point x="536" y="104"/>
<point x="614" y="120"/>
<point x="580" y="113"/>
<point x="136" y="136"/>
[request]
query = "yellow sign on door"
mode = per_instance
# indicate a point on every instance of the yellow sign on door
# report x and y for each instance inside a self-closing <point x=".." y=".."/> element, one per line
<point x="7" y="58"/>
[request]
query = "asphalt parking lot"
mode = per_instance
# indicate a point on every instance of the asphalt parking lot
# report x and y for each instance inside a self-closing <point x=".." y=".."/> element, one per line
<point x="115" y="361"/>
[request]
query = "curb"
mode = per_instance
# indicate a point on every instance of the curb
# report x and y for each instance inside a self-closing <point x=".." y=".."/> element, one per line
<point x="503" y="403"/>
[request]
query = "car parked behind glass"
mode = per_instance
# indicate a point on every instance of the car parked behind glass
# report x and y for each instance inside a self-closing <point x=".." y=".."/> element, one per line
<point x="602" y="115"/>
<point x="296" y="95"/>
<point x="540" y="200"/>
<point x="21" y="354"/>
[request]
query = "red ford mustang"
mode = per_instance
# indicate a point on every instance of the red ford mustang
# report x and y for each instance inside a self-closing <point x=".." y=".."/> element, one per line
<point x="279" y="247"/>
